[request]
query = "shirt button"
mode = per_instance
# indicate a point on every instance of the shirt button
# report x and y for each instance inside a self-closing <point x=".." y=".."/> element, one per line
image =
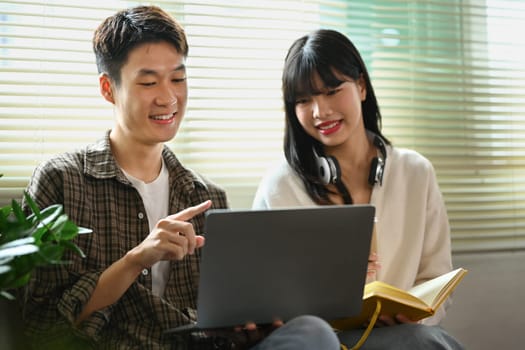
<point x="145" y="272"/>
<point x="141" y="216"/>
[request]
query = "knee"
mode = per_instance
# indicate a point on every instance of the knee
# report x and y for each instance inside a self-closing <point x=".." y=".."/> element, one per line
<point x="432" y="337"/>
<point x="309" y="322"/>
<point x="314" y="330"/>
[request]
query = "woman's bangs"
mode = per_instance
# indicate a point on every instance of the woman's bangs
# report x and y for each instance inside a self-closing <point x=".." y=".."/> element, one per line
<point x="301" y="81"/>
<point x="328" y="77"/>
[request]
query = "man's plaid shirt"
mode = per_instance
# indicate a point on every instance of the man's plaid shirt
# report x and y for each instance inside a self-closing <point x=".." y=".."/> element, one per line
<point x="96" y="194"/>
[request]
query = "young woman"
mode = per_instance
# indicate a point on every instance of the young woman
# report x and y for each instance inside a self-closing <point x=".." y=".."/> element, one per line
<point x="336" y="154"/>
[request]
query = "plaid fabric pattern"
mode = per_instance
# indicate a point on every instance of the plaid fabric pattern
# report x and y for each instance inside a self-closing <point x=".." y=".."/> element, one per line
<point x="96" y="194"/>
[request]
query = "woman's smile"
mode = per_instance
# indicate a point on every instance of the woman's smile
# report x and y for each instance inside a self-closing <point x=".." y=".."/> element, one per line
<point x="329" y="127"/>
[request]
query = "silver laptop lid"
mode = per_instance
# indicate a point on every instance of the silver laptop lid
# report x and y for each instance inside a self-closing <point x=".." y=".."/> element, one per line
<point x="259" y="265"/>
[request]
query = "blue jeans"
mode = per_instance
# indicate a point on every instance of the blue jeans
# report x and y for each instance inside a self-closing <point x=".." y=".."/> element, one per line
<point x="402" y="337"/>
<point x="304" y="333"/>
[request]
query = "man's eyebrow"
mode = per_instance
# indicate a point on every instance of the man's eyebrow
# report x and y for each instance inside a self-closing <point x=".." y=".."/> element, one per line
<point x="146" y="71"/>
<point x="182" y="66"/>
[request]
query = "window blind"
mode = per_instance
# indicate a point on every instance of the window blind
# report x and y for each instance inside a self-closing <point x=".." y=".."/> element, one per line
<point x="451" y="83"/>
<point x="448" y="75"/>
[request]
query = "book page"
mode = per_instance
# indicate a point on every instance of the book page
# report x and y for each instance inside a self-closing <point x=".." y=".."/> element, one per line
<point x="431" y="291"/>
<point x="386" y="291"/>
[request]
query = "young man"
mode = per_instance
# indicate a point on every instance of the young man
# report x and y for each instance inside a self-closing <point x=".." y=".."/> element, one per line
<point x="140" y="274"/>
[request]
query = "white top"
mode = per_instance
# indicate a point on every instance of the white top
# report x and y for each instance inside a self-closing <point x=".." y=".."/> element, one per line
<point x="155" y="196"/>
<point x="413" y="233"/>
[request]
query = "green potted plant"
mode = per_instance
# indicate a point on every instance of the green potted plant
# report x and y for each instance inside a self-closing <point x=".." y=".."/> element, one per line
<point x="27" y="242"/>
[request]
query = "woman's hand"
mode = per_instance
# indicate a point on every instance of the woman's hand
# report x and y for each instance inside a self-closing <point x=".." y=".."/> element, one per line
<point x="385" y="320"/>
<point x="373" y="267"/>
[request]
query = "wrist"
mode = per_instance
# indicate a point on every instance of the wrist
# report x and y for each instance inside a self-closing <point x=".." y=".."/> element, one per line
<point x="133" y="262"/>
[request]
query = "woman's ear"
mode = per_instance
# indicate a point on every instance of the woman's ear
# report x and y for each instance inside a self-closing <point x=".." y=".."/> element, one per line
<point x="106" y="87"/>
<point x="361" y="83"/>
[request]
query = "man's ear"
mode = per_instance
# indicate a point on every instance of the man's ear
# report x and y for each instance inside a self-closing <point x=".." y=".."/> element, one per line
<point x="106" y="87"/>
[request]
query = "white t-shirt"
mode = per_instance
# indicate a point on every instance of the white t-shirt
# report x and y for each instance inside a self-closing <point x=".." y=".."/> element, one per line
<point x="155" y="196"/>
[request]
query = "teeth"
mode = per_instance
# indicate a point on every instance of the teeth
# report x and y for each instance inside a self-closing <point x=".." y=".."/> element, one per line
<point x="161" y="117"/>
<point x="327" y="126"/>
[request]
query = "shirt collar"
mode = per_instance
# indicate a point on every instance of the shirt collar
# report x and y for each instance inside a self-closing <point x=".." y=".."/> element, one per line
<point x="100" y="163"/>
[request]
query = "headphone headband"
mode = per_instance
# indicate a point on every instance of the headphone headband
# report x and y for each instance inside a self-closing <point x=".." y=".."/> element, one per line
<point x="381" y="161"/>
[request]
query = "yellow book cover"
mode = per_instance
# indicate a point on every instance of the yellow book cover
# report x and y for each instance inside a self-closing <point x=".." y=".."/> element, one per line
<point x="417" y="303"/>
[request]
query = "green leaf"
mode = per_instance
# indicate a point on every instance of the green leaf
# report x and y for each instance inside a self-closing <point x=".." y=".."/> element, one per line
<point x="51" y="252"/>
<point x="39" y="239"/>
<point x="20" y="281"/>
<point x="74" y="248"/>
<point x="18" y="212"/>
<point x="69" y="231"/>
<point x="31" y="203"/>
<point x="38" y="233"/>
<point x="5" y="211"/>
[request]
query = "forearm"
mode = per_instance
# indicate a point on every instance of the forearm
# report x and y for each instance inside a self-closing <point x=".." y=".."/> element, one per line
<point x="112" y="284"/>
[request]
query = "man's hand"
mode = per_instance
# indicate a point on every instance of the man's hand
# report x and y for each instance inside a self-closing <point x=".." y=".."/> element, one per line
<point x="171" y="239"/>
<point x="247" y="336"/>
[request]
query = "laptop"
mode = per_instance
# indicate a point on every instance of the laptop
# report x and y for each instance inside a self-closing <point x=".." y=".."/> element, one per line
<point x="262" y="265"/>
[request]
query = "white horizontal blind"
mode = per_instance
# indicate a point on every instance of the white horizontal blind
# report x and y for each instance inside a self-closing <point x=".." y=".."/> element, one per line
<point x="234" y="124"/>
<point x="449" y="78"/>
<point x="49" y="99"/>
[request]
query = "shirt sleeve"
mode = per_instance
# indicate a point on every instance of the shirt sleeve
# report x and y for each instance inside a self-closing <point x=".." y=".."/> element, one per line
<point x="55" y="295"/>
<point x="281" y="188"/>
<point x="436" y="256"/>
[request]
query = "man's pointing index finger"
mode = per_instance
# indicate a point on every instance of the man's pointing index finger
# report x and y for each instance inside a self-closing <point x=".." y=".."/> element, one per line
<point x="190" y="212"/>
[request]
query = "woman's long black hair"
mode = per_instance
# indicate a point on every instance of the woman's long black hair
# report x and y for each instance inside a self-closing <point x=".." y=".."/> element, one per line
<point x="324" y="52"/>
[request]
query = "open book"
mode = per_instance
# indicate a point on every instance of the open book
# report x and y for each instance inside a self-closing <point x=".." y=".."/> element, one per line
<point x="417" y="303"/>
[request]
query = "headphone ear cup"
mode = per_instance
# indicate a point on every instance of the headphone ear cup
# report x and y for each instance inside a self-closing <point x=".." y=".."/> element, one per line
<point x="328" y="170"/>
<point x="323" y="170"/>
<point x="335" y="170"/>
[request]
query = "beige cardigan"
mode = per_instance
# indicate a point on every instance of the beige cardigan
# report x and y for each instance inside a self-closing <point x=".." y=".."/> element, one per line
<point x="413" y="233"/>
